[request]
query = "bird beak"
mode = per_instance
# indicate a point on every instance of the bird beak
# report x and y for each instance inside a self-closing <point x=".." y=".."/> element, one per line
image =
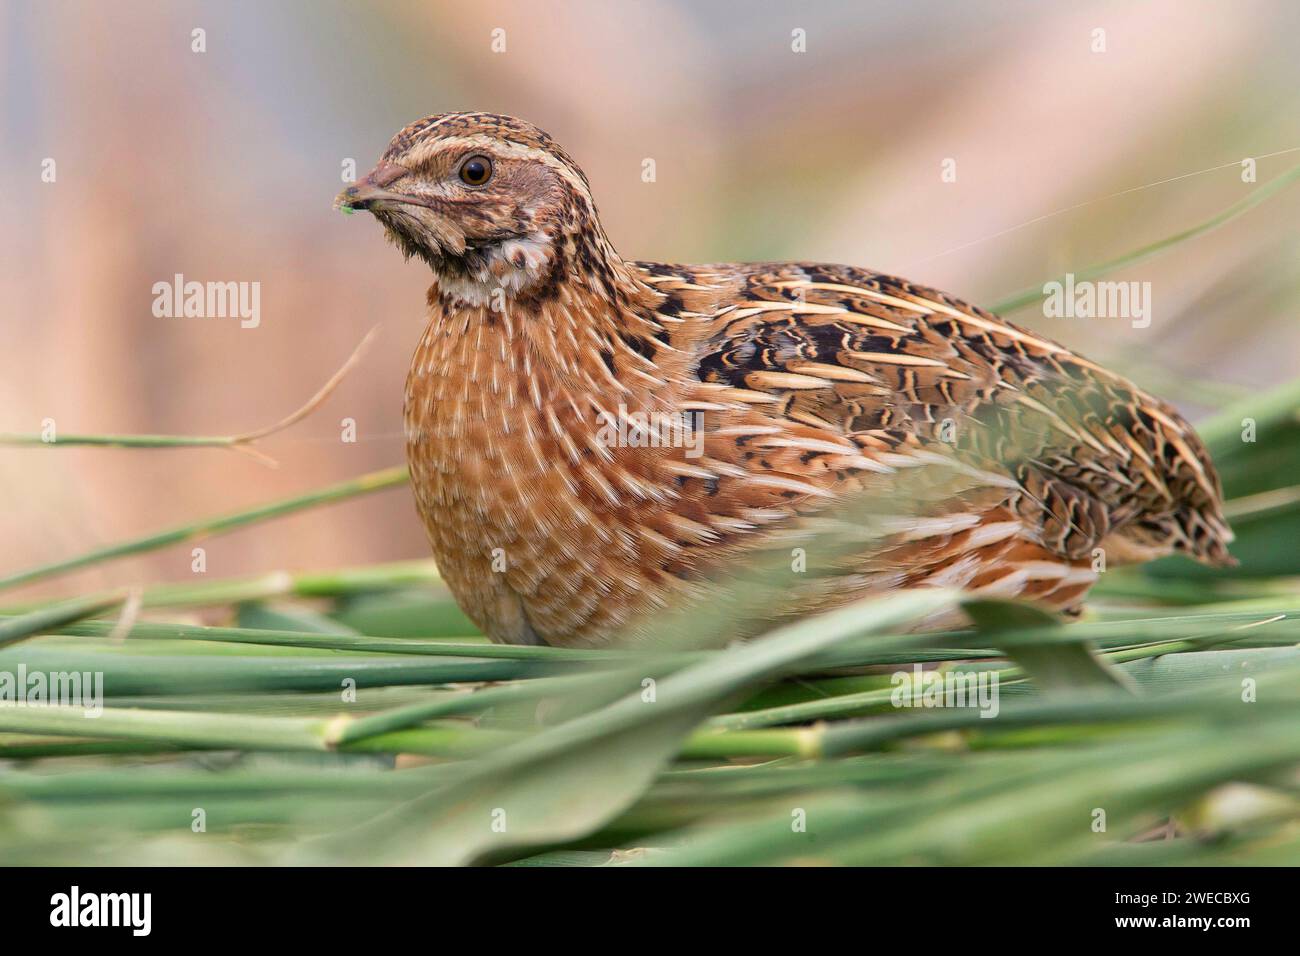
<point x="373" y="187"/>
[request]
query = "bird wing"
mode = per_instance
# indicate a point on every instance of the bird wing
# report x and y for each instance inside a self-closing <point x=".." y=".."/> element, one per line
<point x="861" y="375"/>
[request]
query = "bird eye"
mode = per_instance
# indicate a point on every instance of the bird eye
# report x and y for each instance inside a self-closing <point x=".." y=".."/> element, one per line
<point x="476" y="171"/>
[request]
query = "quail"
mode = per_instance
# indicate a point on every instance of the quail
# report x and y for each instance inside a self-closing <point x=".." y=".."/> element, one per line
<point x="593" y="440"/>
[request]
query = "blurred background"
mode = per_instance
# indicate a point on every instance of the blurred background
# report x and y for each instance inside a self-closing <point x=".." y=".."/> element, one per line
<point x="222" y="165"/>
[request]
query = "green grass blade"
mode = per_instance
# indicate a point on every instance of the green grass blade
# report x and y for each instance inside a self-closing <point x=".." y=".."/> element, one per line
<point x="374" y="481"/>
<point x="1252" y="199"/>
<point x="15" y="629"/>
<point x="569" y="779"/>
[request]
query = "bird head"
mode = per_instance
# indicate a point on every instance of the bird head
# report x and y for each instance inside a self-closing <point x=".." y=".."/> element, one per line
<point x="489" y="202"/>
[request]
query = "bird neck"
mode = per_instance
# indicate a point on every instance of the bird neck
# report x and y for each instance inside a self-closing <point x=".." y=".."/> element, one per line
<point x="586" y="337"/>
<point x="526" y="270"/>
<point x="566" y="303"/>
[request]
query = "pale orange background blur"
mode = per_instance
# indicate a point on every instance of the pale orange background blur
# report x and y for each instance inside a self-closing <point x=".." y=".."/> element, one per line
<point x="222" y="166"/>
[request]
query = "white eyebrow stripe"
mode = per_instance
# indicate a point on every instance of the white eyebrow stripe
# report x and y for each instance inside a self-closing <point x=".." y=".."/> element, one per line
<point x="430" y="148"/>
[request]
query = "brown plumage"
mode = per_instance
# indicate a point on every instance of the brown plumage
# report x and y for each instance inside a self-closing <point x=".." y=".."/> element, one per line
<point x="987" y="456"/>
